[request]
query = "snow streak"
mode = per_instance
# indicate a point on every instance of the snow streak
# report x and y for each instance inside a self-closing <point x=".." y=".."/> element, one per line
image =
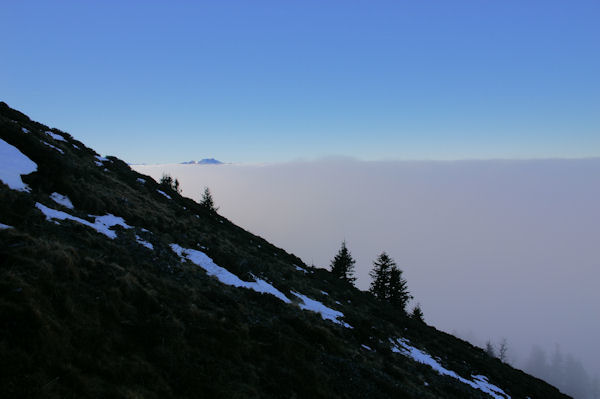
<point x="478" y="381"/>
<point x="102" y="224"/>
<point x="199" y="258"/>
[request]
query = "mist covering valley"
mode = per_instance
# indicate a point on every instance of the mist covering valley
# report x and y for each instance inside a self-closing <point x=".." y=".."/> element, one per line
<point x="491" y="250"/>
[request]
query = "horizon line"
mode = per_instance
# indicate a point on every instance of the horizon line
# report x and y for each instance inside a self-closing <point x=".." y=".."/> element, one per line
<point x="340" y="158"/>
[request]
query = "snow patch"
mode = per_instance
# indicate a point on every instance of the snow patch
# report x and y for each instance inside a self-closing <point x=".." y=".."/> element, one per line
<point x="481" y="383"/>
<point x="143" y="242"/>
<point x="140" y="180"/>
<point x="101" y="159"/>
<point x="55" y="147"/>
<point x="165" y="194"/>
<point x="300" y="269"/>
<point x="223" y="275"/>
<point x="13" y="164"/>
<point x="102" y="224"/>
<point x="62" y="200"/>
<point x="55" y="136"/>
<point x="24" y="130"/>
<point x="5" y="226"/>
<point x="478" y="381"/>
<point x="318" y="307"/>
<point x="199" y="258"/>
<point x="366" y="347"/>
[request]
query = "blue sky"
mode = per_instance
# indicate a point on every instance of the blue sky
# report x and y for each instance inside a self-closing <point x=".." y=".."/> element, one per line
<point x="265" y="81"/>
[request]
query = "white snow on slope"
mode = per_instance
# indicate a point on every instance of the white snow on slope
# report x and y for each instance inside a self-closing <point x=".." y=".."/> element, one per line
<point x="56" y="136"/>
<point x="226" y="277"/>
<point x="102" y="224"/>
<point x="62" y="200"/>
<point x="52" y="146"/>
<point x="223" y="275"/>
<point x="479" y="382"/>
<point x="24" y="130"/>
<point x="300" y="269"/>
<point x="5" y="226"/>
<point x="316" y="306"/>
<point x="165" y="194"/>
<point x="105" y="222"/>
<point x="101" y="159"/>
<point x="140" y="180"/>
<point x="143" y="242"/>
<point x="13" y="164"/>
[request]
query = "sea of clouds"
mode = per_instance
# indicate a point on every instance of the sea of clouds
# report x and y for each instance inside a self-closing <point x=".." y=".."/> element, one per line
<point x="490" y="249"/>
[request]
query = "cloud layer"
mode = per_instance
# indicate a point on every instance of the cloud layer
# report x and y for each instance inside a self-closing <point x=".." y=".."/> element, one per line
<point x="497" y="248"/>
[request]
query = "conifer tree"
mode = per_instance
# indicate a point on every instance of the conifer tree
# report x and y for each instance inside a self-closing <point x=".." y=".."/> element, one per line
<point x="398" y="294"/>
<point x="417" y="313"/>
<point x="503" y="350"/>
<point x="167" y="181"/>
<point x="342" y="265"/>
<point x="380" y="274"/>
<point x="489" y="349"/>
<point x="207" y="200"/>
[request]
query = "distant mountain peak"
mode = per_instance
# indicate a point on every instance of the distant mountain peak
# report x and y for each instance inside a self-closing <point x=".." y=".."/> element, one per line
<point x="205" y="161"/>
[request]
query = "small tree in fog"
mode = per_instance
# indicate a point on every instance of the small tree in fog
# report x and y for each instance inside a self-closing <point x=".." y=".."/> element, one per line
<point x="502" y="350"/>
<point x="595" y="389"/>
<point x="576" y="379"/>
<point x="556" y="368"/>
<point x="207" y="200"/>
<point x="537" y="364"/>
<point x="489" y="349"/>
<point x="342" y="265"/>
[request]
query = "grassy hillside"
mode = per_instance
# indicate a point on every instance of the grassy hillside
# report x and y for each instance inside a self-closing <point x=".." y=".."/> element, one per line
<point x="83" y="315"/>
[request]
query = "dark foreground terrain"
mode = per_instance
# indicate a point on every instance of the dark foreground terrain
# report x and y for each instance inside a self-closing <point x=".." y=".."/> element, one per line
<point x="93" y="310"/>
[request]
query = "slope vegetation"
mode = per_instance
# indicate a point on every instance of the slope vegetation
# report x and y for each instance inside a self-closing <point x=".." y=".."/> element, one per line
<point x="112" y="285"/>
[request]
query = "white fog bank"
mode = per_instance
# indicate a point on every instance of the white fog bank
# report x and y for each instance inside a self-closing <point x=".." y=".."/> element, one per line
<point x="499" y="248"/>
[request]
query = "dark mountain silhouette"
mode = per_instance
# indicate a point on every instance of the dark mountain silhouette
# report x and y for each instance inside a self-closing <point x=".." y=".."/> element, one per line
<point x="112" y="285"/>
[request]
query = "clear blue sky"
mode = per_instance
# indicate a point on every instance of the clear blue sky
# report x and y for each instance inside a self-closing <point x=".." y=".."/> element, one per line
<point x="246" y="81"/>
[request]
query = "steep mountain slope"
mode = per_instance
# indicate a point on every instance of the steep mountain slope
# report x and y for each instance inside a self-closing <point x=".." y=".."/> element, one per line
<point x="112" y="285"/>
